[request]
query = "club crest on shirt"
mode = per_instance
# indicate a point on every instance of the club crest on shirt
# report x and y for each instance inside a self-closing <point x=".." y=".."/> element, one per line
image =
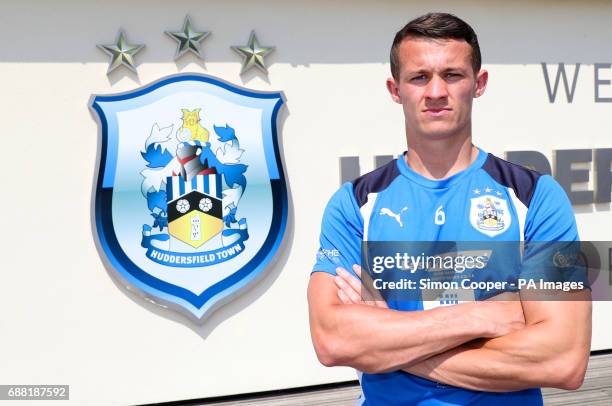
<point x="490" y="215"/>
<point x="191" y="202"/>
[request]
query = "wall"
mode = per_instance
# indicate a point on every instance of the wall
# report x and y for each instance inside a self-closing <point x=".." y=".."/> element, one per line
<point x="65" y="321"/>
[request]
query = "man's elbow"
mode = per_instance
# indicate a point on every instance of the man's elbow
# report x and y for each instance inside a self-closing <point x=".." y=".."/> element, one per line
<point x="326" y="356"/>
<point x="574" y="378"/>
<point x="571" y="371"/>
<point x="328" y="349"/>
<point x="334" y="352"/>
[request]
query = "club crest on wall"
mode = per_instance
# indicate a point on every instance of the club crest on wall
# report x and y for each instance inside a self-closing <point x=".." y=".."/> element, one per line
<point x="190" y="201"/>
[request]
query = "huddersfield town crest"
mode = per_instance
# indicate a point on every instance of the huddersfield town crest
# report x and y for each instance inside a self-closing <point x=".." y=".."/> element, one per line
<point x="191" y="201"/>
<point x="490" y="215"/>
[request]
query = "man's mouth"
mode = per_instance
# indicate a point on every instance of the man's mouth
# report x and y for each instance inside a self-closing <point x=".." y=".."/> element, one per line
<point x="437" y="111"/>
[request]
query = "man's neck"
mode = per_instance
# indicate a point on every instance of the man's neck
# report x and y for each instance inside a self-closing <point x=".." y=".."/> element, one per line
<point x="440" y="159"/>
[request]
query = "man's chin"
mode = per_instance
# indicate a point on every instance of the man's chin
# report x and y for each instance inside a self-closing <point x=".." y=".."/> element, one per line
<point x="439" y="133"/>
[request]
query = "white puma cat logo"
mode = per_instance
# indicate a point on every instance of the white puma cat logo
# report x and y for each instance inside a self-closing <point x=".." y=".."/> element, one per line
<point x="388" y="212"/>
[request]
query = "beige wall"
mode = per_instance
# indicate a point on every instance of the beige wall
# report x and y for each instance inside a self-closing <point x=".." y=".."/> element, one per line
<point x="65" y="321"/>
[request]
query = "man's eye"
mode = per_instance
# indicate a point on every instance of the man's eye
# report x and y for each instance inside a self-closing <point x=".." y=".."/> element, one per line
<point x="418" y="78"/>
<point x="453" y="75"/>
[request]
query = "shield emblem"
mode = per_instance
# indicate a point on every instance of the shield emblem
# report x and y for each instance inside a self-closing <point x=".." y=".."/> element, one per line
<point x="490" y="215"/>
<point x="190" y="201"/>
<point x="194" y="208"/>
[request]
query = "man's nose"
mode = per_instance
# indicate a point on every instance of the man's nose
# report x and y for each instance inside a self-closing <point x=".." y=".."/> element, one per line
<point x="436" y="88"/>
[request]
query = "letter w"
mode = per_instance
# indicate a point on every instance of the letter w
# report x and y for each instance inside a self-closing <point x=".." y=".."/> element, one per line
<point x="552" y="92"/>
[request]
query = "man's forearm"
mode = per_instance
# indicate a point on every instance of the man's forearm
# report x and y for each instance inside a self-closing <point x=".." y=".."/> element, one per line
<point x="544" y="354"/>
<point x="379" y="340"/>
<point x="374" y="339"/>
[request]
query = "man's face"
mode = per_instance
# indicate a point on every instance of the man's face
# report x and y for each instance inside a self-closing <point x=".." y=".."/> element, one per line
<point x="436" y="86"/>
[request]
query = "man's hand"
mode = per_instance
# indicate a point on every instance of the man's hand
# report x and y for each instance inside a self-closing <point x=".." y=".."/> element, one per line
<point x="352" y="291"/>
<point x="503" y="311"/>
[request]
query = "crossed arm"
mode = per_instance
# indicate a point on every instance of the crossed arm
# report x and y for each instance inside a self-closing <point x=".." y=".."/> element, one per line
<point x="480" y="346"/>
<point x="375" y="339"/>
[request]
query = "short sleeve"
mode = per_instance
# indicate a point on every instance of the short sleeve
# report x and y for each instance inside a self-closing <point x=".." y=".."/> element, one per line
<point x="552" y="247"/>
<point x="550" y="216"/>
<point x="341" y="233"/>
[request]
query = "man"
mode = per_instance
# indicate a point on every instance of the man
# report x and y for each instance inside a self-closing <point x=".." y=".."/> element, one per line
<point x="409" y="352"/>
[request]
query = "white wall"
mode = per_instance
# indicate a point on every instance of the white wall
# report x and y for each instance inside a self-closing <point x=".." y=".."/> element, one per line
<point x="65" y="321"/>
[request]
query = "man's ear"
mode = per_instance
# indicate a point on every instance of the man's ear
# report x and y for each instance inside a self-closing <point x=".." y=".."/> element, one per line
<point x="481" y="82"/>
<point x="393" y="89"/>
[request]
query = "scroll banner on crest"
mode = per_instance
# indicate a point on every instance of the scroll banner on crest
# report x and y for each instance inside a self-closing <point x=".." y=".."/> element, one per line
<point x="233" y="244"/>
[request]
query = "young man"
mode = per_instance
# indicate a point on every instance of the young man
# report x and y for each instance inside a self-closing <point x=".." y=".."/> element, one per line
<point x="473" y="353"/>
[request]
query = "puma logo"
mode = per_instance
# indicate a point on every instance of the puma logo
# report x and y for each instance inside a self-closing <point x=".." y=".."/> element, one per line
<point x="386" y="212"/>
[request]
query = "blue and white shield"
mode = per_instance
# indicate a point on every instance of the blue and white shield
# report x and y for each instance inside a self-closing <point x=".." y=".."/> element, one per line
<point x="490" y="215"/>
<point x="190" y="201"/>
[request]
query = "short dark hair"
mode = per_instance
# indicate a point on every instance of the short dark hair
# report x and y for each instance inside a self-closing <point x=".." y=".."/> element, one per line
<point x="436" y="26"/>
